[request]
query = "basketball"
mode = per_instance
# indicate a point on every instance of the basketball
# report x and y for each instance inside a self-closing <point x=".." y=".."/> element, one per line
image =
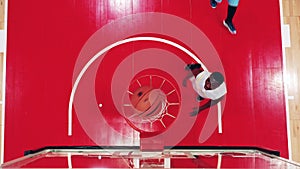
<point x="140" y="98"/>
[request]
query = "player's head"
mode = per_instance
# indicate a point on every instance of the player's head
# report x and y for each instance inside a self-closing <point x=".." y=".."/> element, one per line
<point x="214" y="80"/>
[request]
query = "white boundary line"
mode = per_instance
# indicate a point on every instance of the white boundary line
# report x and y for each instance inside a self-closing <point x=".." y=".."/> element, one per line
<point x="69" y="160"/>
<point x="4" y="81"/>
<point x="104" y="50"/>
<point x="167" y="162"/>
<point x="285" y="83"/>
<point x="219" y="117"/>
<point x="219" y="161"/>
<point x="136" y="162"/>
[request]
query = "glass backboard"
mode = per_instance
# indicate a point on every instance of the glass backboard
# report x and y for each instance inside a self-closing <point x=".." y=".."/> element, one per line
<point x="133" y="157"/>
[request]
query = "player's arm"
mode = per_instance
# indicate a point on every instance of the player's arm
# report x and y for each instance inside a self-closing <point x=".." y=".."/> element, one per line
<point x="205" y="106"/>
<point x="187" y="77"/>
<point x="193" y="71"/>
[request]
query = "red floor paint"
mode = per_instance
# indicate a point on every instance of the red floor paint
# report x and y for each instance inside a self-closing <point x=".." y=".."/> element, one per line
<point x="45" y="47"/>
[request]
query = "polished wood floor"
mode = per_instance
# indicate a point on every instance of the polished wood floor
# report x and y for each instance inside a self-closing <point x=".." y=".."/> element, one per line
<point x="291" y="16"/>
<point x="2" y="21"/>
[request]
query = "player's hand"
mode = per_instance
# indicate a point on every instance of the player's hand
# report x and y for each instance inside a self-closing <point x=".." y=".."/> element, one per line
<point x="184" y="83"/>
<point x="195" y="112"/>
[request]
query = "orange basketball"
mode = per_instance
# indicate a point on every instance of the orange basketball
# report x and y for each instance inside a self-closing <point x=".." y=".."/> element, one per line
<point x="140" y="98"/>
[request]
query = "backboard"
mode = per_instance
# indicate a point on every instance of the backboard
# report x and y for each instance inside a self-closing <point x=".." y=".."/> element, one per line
<point x="133" y="157"/>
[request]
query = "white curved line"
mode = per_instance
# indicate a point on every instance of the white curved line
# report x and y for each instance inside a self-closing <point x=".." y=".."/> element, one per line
<point x="104" y="50"/>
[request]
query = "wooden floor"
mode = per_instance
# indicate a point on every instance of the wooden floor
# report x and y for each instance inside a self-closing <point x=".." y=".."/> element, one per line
<point x="291" y="14"/>
<point x="2" y="21"/>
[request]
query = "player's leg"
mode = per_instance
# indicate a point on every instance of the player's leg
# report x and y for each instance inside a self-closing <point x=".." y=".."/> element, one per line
<point x="232" y="7"/>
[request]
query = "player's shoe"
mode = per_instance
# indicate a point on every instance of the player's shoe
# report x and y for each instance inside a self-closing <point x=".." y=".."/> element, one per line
<point x="213" y="4"/>
<point x="229" y="26"/>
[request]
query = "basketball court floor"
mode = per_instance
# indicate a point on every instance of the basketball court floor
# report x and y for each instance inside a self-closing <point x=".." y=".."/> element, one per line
<point x="77" y="70"/>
